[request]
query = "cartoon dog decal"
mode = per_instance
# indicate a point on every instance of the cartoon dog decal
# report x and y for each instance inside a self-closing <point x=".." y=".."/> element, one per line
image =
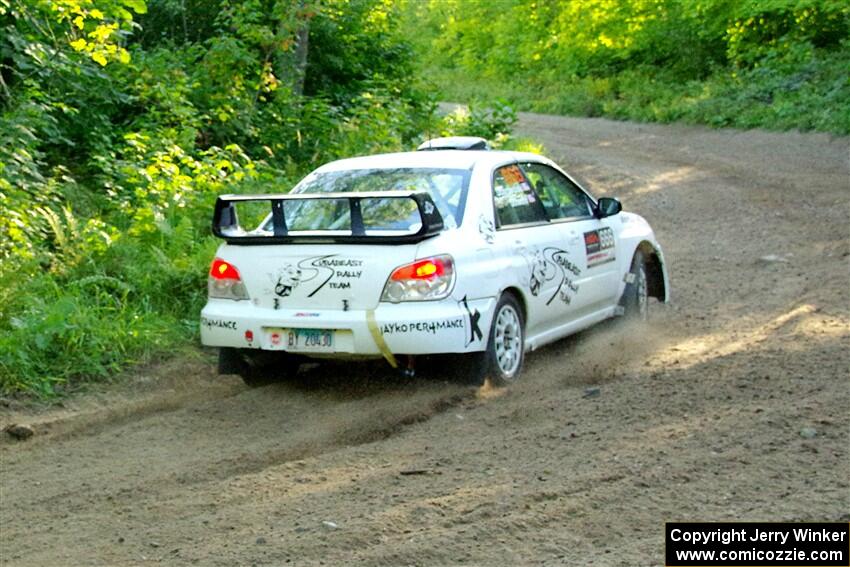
<point x="285" y="280"/>
<point x="541" y="271"/>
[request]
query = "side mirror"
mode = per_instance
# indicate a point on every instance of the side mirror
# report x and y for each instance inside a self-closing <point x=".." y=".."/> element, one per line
<point x="607" y="207"/>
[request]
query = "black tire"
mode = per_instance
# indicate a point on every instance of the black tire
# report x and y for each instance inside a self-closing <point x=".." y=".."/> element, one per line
<point x="503" y="359"/>
<point x="636" y="295"/>
<point x="257" y="368"/>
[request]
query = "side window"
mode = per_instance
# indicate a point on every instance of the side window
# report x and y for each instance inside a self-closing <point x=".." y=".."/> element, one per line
<point x="514" y="196"/>
<point x="559" y="196"/>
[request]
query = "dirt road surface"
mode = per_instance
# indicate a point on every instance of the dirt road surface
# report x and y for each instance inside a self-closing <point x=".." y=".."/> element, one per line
<point x="732" y="405"/>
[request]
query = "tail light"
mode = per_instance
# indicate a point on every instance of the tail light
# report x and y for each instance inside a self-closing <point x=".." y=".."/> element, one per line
<point x="225" y="282"/>
<point x="423" y="280"/>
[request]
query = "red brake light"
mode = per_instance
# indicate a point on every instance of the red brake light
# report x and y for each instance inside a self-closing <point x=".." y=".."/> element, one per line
<point x="221" y="270"/>
<point x="224" y="281"/>
<point x="423" y="280"/>
<point x="423" y="269"/>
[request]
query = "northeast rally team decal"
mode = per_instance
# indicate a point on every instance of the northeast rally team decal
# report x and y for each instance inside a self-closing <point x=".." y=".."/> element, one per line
<point x="331" y="271"/>
<point x="599" y="245"/>
<point x="547" y="265"/>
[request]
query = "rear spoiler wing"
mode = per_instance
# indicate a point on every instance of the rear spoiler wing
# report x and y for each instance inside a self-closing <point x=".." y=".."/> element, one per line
<point x="225" y="223"/>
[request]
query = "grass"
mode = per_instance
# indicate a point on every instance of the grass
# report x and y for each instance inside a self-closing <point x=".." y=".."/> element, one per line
<point x="86" y="318"/>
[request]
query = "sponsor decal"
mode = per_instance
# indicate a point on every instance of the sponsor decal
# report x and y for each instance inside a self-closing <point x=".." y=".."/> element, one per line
<point x="218" y="323"/>
<point x="422" y="326"/>
<point x="514" y="196"/>
<point x="541" y="271"/>
<point x="550" y="264"/>
<point x="487" y="229"/>
<point x="512" y="175"/>
<point x="516" y="191"/>
<point x="599" y="246"/>
<point x="470" y="322"/>
<point x="285" y="280"/>
<point x="472" y="318"/>
<point x="331" y="271"/>
<point x="306" y="314"/>
<point x="334" y="271"/>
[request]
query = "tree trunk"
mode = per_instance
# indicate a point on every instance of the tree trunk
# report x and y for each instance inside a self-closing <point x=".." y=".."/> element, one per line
<point x="291" y="67"/>
<point x="302" y="42"/>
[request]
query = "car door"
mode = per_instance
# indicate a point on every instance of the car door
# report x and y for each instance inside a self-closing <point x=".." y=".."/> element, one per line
<point x="587" y="247"/>
<point x="522" y="240"/>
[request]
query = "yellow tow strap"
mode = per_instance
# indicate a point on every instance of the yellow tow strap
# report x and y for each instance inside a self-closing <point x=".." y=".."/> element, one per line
<point x="379" y="338"/>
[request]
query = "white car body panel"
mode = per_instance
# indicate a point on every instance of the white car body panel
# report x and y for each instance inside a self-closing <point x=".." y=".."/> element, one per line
<point x="564" y="288"/>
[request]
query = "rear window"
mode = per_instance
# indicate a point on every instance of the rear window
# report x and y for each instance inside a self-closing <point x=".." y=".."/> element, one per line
<point x="447" y="187"/>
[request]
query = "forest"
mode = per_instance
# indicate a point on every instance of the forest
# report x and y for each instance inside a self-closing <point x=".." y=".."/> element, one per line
<point x="121" y="120"/>
<point x="776" y="64"/>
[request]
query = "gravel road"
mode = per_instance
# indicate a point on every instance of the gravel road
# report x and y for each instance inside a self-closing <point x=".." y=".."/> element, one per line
<point x="732" y="405"/>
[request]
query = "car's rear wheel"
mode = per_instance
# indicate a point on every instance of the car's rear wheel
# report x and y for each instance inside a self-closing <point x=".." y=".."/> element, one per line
<point x="636" y="302"/>
<point x="502" y="360"/>
<point x="257" y="368"/>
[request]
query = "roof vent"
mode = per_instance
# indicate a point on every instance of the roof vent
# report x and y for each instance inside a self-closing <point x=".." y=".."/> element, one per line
<point x="455" y="143"/>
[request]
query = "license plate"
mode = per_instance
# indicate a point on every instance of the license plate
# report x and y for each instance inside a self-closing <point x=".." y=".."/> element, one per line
<point x="301" y="340"/>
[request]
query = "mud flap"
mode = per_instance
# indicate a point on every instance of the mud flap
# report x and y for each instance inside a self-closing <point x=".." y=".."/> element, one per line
<point x="629" y="280"/>
<point x="379" y="338"/>
<point x="620" y="309"/>
<point x="230" y="361"/>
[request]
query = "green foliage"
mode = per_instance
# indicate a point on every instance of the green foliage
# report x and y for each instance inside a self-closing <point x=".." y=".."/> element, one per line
<point x="491" y="121"/>
<point x="120" y="122"/>
<point x="758" y="63"/>
<point x="355" y="47"/>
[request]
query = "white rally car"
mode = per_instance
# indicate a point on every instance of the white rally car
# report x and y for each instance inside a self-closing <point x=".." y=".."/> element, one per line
<point x="480" y="254"/>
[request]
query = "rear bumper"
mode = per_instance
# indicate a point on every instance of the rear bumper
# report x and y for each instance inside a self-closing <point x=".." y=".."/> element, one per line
<point x="433" y="327"/>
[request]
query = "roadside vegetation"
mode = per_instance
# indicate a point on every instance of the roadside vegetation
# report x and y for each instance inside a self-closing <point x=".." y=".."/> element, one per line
<point x="120" y="122"/>
<point x="776" y="64"/>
